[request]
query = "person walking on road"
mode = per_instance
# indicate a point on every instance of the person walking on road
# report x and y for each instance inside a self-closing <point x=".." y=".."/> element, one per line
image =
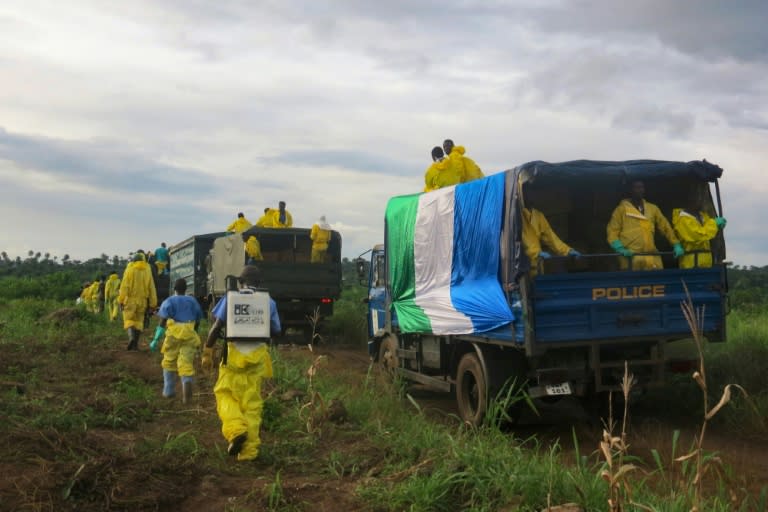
<point x="180" y="316"/>
<point x="238" y="388"/>
<point x="137" y="293"/>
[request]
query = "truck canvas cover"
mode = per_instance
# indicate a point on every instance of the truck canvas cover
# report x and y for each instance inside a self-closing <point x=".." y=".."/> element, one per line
<point x="444" y="258"/>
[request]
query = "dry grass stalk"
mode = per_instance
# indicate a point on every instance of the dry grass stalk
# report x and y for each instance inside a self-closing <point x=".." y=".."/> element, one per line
<point x="315" y="409"/>
<point x="695" y="318"/>
<point x="614" y="449"/>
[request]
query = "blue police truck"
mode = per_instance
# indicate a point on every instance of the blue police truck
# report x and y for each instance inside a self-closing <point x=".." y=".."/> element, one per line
<point x="454" y="303"/>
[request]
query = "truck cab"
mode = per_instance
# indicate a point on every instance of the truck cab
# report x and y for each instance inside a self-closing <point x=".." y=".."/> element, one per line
<point x="575" y="321"/>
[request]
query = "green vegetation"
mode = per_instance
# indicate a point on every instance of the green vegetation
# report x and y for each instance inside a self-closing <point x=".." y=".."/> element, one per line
<point x="85" y="427"/>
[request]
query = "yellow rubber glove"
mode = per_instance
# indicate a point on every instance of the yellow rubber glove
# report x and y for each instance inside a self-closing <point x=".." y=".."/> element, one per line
<point x="206" y="363"/>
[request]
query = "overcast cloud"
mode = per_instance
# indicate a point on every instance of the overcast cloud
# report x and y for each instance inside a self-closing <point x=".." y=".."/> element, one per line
<point x="125" y="124"/>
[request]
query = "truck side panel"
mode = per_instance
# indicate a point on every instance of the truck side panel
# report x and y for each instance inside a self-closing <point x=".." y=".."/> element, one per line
<point x="625" y="305"/>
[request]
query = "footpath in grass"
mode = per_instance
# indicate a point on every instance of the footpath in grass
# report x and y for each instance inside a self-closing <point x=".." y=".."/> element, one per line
<point x="85" y="428"/>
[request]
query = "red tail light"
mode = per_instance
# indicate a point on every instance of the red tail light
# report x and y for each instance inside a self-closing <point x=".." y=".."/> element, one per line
<point x="326" y="300"/>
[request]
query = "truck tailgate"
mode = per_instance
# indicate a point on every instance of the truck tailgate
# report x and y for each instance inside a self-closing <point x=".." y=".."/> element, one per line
<point x="603" y="306"/>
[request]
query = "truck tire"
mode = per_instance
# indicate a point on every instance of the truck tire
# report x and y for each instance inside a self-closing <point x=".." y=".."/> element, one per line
<point x="388" y="355"/>
<point x="471" y="390"/>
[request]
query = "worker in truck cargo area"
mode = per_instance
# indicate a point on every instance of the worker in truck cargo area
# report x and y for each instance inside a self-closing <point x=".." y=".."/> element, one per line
<point x="238" y="388"/>
<point x="695" y="228"/>
<point x="239" y="225"/>
<point x="537" y="233"/>
<point x="463" y="165"/>
<point x="137" y="294"/>
<point x="276" y="218"/>
<point x="320" y="235"/>
<point x="252" y="249"/>
<point x="180" y="316"/>
<point x="434" y="176"/>
<point x="632" y="228"/>
<point x="162" y="259"/>
<point x="111" y="290"/>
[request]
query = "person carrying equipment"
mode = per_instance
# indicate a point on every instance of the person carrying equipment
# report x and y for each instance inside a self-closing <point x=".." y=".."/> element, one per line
<point x="250" y="316"/>
<point x="180" y="316"/>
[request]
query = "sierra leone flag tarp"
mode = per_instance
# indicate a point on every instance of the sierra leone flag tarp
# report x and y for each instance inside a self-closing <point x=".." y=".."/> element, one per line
<point x="443" y="251"/>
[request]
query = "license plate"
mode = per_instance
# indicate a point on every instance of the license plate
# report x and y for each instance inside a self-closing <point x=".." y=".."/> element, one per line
<point x="559" y="389"/>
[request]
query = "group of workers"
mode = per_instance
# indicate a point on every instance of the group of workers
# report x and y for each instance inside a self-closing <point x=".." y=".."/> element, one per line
<point x="630" y="233"/>
<point x="450" y="167"/>
<point x="280" y="218"/>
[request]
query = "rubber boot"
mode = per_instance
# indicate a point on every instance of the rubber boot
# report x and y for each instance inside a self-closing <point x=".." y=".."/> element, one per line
<point x="169" y="383"/>
<point x="132" y="335"/>
<point x="186" y="389"/>
<point x="135" y="342"/>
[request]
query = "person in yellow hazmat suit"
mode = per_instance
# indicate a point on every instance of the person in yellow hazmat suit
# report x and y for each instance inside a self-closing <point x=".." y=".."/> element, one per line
<point x="111" y="290"/>
<point x="320" y="235"/>
<point x="695" y="228"/>
<point x="92" y="297"/>
<point x="137" y="293"/>
<point x="180" y="316"/>
<point x="252" y="249"/>
<point x="537" y="233"/>
<point x="240" y="224"/>
<point x="632" y="228"/>
<point x="430" y="176"/>
<point x="468" y="169"/>
<point x="238" y="388"/>
<point x="276" y="217"/>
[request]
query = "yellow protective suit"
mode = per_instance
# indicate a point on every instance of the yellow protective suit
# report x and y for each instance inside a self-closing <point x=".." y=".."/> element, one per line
<point x="239" y="225"/>
<point x="238" y="394"/>
<point x="92" y="297"/>
<point x="469" y="169"/>
<point x="431" y="176"/>
<point x="694" y="236"/>
<point x="538" y="232"/>
<point x="320" y="238"/>
<point x="253" y="248"/>
<point x="636" y="231"/>
<point x="271" y="219"/>
<point x="137" y="292"/>
<point x="179" y="347"/>
<point x="111" y="291"/>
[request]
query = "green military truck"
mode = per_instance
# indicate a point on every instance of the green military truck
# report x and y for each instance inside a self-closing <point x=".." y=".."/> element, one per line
<point x="299" y="287"/>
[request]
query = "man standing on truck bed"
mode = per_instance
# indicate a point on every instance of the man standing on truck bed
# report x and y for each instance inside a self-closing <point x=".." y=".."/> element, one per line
<point x="466" y="167"/>
<point x="695" y="228"/>
<point x="320" y="235"/>
<point x="238" y="388"/>
<point x="240" y="224"/>
<point x="632" y="227"/>
<point x="538" y="232"/>
<point x="280" y="218"/>
<point x="162" y="259"/>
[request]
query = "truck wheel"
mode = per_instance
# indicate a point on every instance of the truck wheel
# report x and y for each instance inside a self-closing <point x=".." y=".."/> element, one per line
<point x="388" y="355"/>
<point x="471" y="390"/>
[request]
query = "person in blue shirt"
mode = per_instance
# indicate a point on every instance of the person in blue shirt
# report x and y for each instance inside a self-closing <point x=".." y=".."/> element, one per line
<point x="238" y="388"/>
<point x="180" y="316"/>
<point x="162" y="259"/>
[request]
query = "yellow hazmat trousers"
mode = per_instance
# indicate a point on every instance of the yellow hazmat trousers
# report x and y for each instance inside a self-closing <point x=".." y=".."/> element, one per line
<point x="111" y="290"/>
<point x="694" y="236"/>
<point x="320" y="238"/>
<point x="538" y="232"/>
<point x="636" y="232"/>
<point x="238" y="394"/>
<point x="179" y="348"/>
<point x="137" y="292"/>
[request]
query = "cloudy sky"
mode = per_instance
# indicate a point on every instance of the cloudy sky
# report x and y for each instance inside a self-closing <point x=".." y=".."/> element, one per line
<point x="124" y="124"/>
